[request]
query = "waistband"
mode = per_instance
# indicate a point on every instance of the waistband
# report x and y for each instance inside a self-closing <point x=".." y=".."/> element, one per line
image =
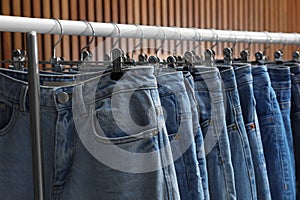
<point x="207" y="78"/>
<point x="260" y="74"/>
<point x="172" y="82"/>
<point x="243" y="74"/>
<point x="228" y="77"/>
<point x="295" y="72"/>
<point x="85" y="92"/>
<point x="280" y="77"/>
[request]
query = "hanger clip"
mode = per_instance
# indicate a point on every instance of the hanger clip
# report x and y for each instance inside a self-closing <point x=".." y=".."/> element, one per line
<point x="56" y="63"/>
<point x="19" y="57"/>
<point x="116" y="55"/>
<point x="296" y="56"/>
<point x="209" y="55"/>
<point x="278" y="56"/>
<point x="228" y="56"/>
<point x="245" y="56"/>
<point x="260" y="57"/>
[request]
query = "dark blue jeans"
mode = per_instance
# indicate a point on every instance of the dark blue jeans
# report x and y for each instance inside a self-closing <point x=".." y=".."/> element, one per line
<point x="244" y="80"/>
<point x="276" y="149"/>
<point x="179" y="123"/>
<point x="295" y="119"/>
<point x="189" y="85"/>
<point x="240" y="149"/>
<point x="209" y="95"/>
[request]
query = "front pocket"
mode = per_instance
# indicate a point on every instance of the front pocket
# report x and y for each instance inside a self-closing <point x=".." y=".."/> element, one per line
<point x="125" y="117"/>
<point x="7" y="113"/>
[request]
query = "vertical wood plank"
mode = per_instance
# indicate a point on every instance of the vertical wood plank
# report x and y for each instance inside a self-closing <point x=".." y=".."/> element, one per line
<point x="107" y="18"/>
<point x="151" y="22"/>
<point x="7" y="45"/>
<point x="144" y="21"/>
<point x="66" y="39"/>
<point x="99" y="40"/>
<point x="17" y="37"/>
<point x="56" y="13"/>
<point x="74" y="45"/>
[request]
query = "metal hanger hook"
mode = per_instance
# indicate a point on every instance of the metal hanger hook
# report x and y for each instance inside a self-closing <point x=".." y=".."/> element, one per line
<point x="179" y="43"/>
<point x="141" y="39"/>
<point x="235" y="40"/>
<point x="216" y="37"/>
<point x="268" y="41"/>
<point x="285" y="42"/>
<point x="298" y="43"/>
<point x="119" y="36"/>
<point x="60" y="38"/>
<point x="251" y="40"/>
<point x="93" y="37"/>
<point x="199" y="39"/>
<point x="163" y="41"/>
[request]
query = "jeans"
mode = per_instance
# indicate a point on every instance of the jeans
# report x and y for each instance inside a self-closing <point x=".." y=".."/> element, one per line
<point x="295" y="119"/>
<point x="280" y="77"/>
<point x="208" y="91"/>
<point x="189" y="85"/>
<point x="240" y="149"/>
<point x="278" y="159"/>
<point x="102" y="139"/>
<point x="179" y="124"/>
<point x="244" y="81"/>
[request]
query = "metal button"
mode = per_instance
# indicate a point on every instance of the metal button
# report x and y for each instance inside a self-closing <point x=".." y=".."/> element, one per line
<point x="63" y="97"/>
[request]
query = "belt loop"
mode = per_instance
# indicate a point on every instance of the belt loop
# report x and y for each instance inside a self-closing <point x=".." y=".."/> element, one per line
<point x="23" y="95"/>
<point x="78" y="102"/>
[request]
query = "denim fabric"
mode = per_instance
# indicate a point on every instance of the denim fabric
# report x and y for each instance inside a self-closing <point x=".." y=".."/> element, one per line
<point x="240" y="149"/>
<point x="295" y="119"/>
<point x="244" y="81"/>
<point x="280" y="77"/>
<point x="208" y="91"/>
<point x="189" y="85"/>
<point x="274" y="140"/>
<point x="93" y="146"/>
<point x="179" y="124"/>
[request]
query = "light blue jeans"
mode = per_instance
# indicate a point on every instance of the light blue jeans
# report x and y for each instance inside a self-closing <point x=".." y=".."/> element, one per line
<point x="101" y="138"/>
<point x="243" y="74"/>
<point x="209" y="95"/>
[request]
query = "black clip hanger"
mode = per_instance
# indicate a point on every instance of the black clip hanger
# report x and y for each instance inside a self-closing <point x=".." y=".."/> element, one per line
<point x="296" y="56"/>
<point x="171" y="62"/>
<point x="18" y="58"/>
<point x="259" y="58"/>
<point x="278" y="57"/>
<point x="245" y="56"/>
<point x="228" y="56"/>
<point x="209" y="55"/>
<point x="153" y="60"/>
<point x="117" y="56"/>
<point x="189" y="61"/>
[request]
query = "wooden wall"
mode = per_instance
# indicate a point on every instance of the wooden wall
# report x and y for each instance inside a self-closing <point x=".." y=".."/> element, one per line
<point x="251" y="15"/>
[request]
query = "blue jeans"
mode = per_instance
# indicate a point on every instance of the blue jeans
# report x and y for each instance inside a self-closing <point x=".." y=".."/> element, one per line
<point x="295" y="119"/>
<point x="244" y="81"/>
<point x="101" y="139"/>
<point x="240" y="149"/>
<point x="276" y="149"/>
<point x="189" y="85"/>
<point x="208" y="91"/>
<point x="178" y="116"/>
<point x="280" y="77"/>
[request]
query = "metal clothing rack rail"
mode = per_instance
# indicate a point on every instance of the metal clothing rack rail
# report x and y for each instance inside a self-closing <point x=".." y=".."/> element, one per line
<point x="32" y="26"/>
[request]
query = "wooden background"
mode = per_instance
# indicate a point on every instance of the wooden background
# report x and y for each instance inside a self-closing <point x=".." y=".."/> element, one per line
<point x="251" y="15"/>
